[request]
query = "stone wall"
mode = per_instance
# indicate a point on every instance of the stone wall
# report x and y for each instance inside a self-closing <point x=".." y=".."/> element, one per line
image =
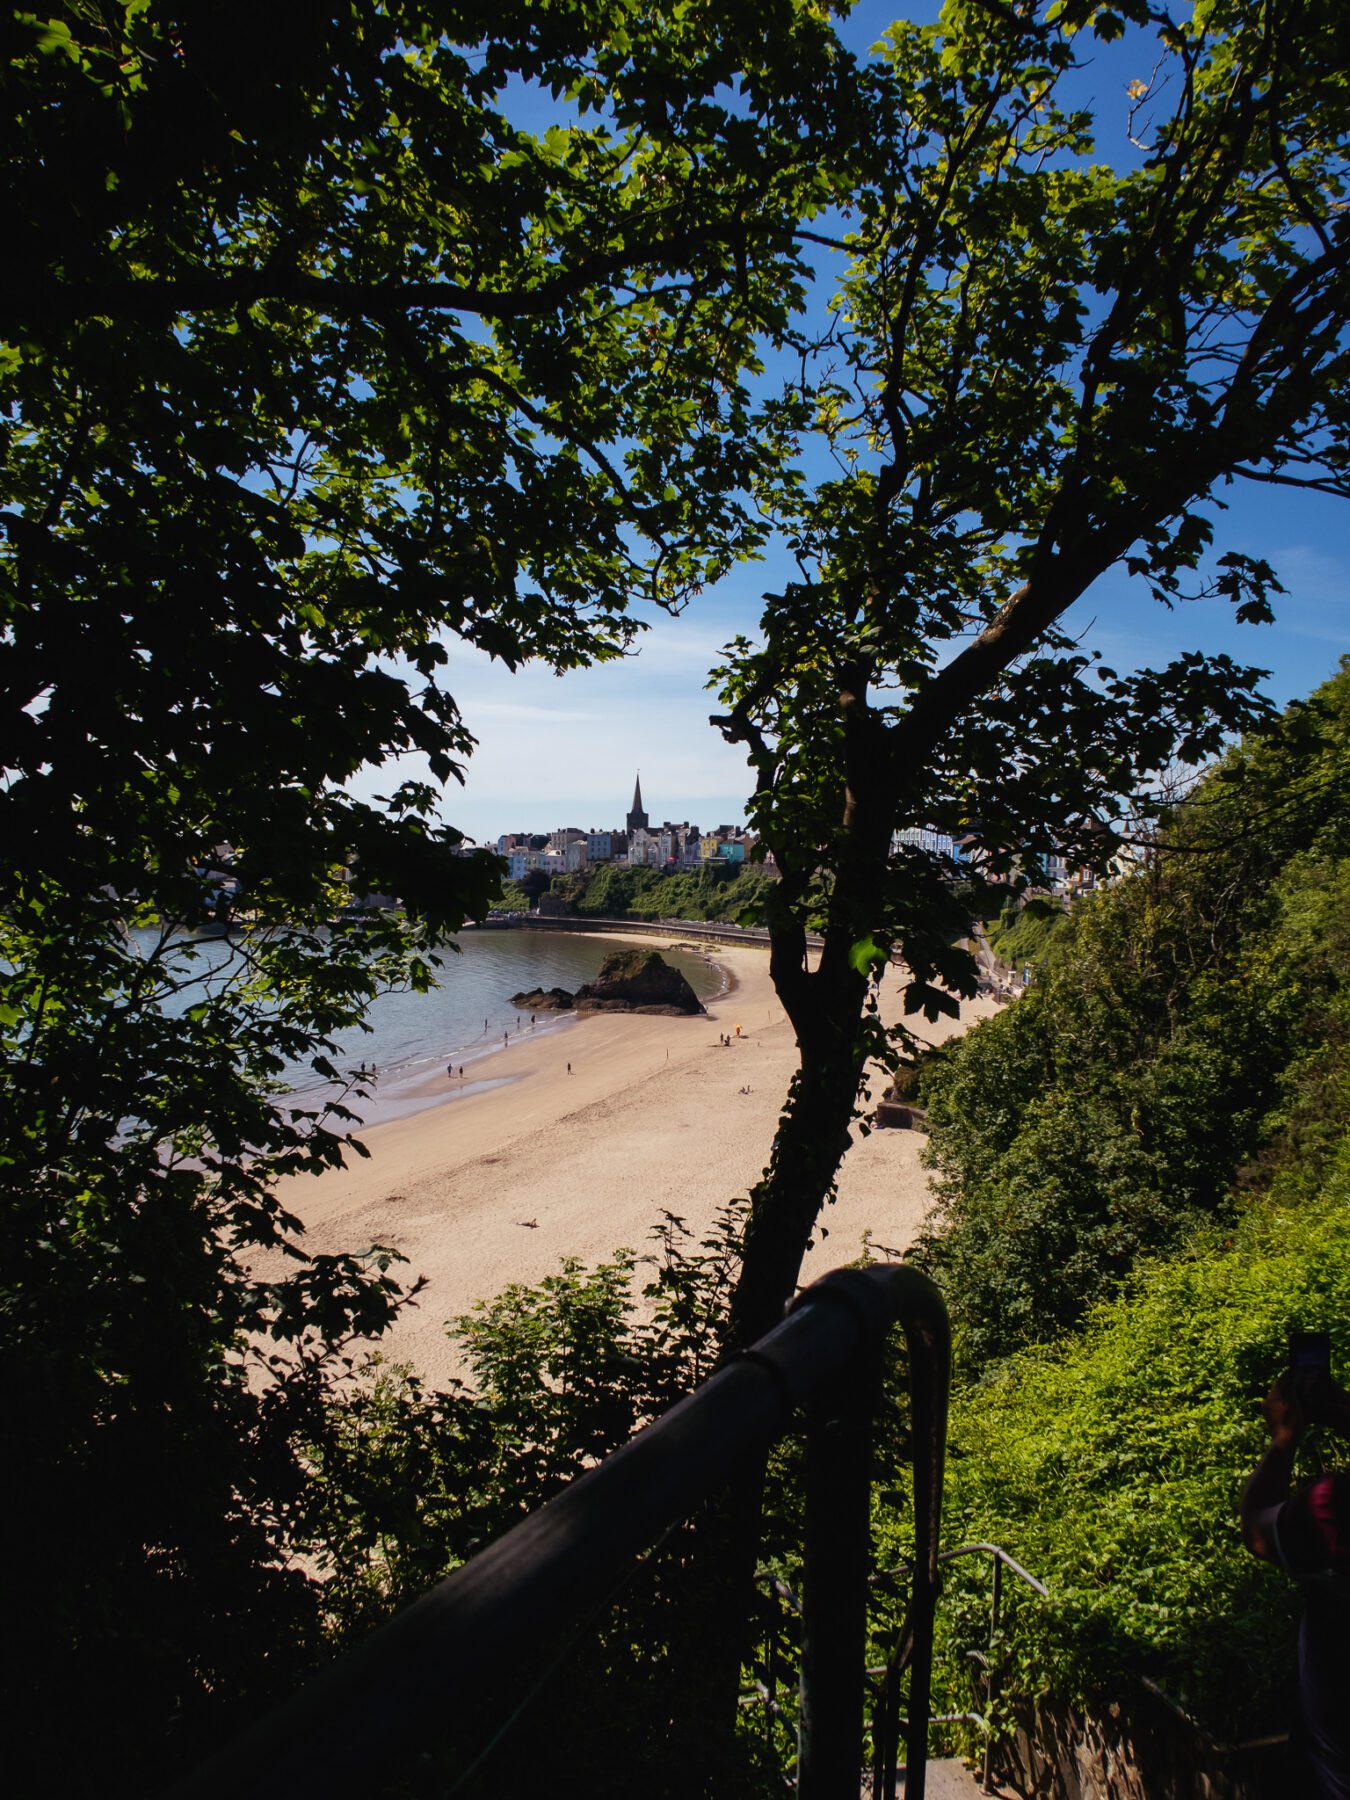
<point x="1148" y="1753"/>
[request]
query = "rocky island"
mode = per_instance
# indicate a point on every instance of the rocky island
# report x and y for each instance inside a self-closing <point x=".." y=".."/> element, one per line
<point x="639" y="981"/>
<point x="554" y="999"/>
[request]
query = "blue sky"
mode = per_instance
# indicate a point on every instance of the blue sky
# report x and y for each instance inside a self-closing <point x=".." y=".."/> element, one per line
<point x="563" y="751"/>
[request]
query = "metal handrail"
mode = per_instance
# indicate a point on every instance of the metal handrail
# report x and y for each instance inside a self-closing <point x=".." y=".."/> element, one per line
<point x="496" y="1623"/>
<point x="884" y="1730"/>
<point x="1269" y="1741"/>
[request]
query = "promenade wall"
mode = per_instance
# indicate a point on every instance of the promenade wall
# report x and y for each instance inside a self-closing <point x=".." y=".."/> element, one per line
<point x="701" y="930"/>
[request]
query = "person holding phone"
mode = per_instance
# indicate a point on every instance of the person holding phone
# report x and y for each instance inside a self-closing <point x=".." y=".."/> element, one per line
<point x="1305" y="1530"/>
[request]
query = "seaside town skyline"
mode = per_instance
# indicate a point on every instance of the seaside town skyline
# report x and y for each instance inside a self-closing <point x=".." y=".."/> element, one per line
<point x="674" y="846"/>
<point x="569" y="850"/>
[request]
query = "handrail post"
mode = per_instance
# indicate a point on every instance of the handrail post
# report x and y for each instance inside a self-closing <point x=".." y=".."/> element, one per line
<point x="928" y="1339"/>
<point x="834" y="1597"/>
<point x="992" y="1678"/>
<point x="876" y="1298"/>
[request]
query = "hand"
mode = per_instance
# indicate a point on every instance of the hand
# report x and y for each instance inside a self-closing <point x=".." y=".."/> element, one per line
<point x="1284" y="1410"/>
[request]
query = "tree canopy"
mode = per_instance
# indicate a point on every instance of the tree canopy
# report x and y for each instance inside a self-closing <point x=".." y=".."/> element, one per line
<point x="1050" y="354"/>
<point x="1185" y="1038"/>
<point x="323" y="341"/>
<point x="316" y="356"/>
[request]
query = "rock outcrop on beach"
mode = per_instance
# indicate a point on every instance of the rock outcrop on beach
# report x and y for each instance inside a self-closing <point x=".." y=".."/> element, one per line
<point x="554" y="999"/>
<point x="639" y="981"/>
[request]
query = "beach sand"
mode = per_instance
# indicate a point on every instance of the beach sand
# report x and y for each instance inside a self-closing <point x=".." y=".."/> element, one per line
<point x="502" y="1183"/>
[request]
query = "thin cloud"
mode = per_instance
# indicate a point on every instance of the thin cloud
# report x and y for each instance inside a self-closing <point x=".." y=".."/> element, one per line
<point x="518" y="709"/>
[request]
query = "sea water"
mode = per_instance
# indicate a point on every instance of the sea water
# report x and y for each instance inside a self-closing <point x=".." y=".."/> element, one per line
<point x="411" y="1039"/>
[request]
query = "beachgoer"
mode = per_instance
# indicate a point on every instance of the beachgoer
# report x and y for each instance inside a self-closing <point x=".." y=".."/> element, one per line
<point x="1306" y="1531"/>
<point x="569" y="1068"/>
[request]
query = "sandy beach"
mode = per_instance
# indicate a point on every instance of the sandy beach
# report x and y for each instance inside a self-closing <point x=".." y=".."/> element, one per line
<point x="501" y="1181"/>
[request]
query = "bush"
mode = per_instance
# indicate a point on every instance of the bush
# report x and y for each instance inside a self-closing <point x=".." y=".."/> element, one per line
<point x="1190" y="1031"/>
<point x="715" y="890"/>
<point x="1112" y="1468"/>
<point x="1023" y="933"/>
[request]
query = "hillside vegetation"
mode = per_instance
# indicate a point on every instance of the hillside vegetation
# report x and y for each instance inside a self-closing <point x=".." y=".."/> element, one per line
<point x="1144" y="1170"/>
<point x="1023" y="934"/>
<point x="717" y="890"/>
<point x="1187" y="1032"/>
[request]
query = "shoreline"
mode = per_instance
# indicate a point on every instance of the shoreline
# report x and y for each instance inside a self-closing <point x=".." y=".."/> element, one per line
<point x="416" y="1084"/>
<point x="542" y="1160"/>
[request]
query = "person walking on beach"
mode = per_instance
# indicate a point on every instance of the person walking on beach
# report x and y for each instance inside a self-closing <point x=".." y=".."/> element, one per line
<point x="569" y="1068"/>
<point x="1305" y="1531"/>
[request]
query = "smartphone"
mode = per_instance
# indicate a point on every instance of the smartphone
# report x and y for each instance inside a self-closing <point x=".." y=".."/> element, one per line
<point x="1310" y="1353"/>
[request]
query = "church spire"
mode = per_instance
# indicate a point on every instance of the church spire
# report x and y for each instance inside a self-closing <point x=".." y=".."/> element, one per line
<point x="637" y="819"/>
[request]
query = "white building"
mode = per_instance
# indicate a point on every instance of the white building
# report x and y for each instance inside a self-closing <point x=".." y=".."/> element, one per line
<point x="926" y="837"/>
<point x="644" y="848"/>
<point x="521" y="863"/>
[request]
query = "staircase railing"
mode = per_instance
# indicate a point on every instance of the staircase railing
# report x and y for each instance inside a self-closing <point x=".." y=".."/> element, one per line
<point x="438" y="1667"/>
<point x="885" y="1730"/>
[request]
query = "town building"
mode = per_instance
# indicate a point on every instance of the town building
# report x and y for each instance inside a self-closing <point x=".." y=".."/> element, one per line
<point x="674" y="845"/>
<point x="637" y="817"/>
<point x="927" y="837"/>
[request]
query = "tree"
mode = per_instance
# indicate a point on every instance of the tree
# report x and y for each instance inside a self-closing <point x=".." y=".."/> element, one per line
<point x="1187" y="1029"/>
<point x="1037" y="368"/>
<point x="315" y="353"/>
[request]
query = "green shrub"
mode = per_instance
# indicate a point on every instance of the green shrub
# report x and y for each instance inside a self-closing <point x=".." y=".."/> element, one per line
<point x="1112" y="1466"/>
<point x="1023" y="933"/>
<point x="715" y="890"/>
<point x="560" y="1374"/>
<point x="1189" y="1033"/>
<point x="413" y="1483"/>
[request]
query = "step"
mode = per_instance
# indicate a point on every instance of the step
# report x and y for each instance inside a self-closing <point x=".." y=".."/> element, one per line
<point x="948" y="1779"/>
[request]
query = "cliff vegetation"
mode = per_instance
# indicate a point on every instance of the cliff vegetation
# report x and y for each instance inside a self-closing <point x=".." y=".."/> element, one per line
<point x="1145" y="1184"/>
<point x="715" y="891"/>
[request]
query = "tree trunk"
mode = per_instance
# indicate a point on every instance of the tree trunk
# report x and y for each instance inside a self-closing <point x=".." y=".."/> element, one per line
<point x="811" y="1139"/>
<point x="825" y="1006"/>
